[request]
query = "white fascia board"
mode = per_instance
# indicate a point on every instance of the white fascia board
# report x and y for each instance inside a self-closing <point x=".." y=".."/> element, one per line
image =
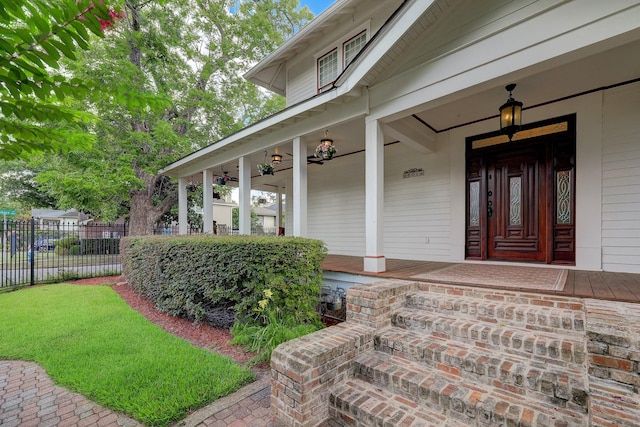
<point x="338" y="113"/>
<point x="381" y="44"/>
<point x="274" y="120"/>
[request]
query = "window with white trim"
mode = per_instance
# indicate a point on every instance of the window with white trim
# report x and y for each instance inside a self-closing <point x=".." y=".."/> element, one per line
<point x="327" y="69"/>
<point x="352" y="47"/>
<point x="338" y="56"/>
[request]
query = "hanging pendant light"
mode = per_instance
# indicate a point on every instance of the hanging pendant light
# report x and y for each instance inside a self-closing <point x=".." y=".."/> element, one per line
<point x="326" y="149"/>
<point x="510" y="114"/>
<point x="276" y="159"/>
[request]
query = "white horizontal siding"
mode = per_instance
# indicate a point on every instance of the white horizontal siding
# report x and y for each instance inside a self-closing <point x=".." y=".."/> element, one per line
<point x="613" y="199"/>
<point x="301" y="69"/>
<point x="417" y="212"/>
<point x="336" y="204"/>
<point x="621" y="207"/>
<point x="613" y="233"/>
<point x="301" y="83"/>
<point x="621" y="180"/>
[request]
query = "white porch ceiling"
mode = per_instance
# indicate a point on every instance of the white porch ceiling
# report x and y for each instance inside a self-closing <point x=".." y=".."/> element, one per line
<point x="596" y="71"/>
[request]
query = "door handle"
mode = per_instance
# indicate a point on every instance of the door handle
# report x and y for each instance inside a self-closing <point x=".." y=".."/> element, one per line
<point x="489" y="208"/>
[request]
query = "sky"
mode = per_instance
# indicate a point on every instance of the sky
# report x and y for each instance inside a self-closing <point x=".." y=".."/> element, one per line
<point x="317" y="6"/>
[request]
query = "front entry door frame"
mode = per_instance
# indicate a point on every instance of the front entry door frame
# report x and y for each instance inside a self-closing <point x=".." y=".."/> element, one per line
<point x="538" y="166"/>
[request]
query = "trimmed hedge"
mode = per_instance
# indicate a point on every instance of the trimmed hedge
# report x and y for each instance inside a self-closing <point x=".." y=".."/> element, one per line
<point x="191" y="275"/>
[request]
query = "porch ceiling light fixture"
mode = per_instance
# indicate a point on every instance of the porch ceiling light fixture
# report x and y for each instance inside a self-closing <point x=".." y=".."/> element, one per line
<point x="510" y="114"/>
<point x="326" y="149"/>
<point x="276" y="159"/>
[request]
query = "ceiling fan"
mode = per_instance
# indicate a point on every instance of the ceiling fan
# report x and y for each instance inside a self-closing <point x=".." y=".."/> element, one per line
<point x="224" y="178"/>
<point x="310" y="159"/>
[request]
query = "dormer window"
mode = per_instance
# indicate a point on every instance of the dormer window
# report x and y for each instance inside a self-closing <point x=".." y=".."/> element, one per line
<point x="353" y="46"/>
<point x="327" y="69"/>
<point x="338" y="56"/>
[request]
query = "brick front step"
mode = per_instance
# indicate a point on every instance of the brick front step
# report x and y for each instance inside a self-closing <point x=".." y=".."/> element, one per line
<point x="540" y="315"/>
<point x="561" y="386"/>
<point x="557" y="349"/>
<point x="356" y="403"/>
<point x="461" y="399"/>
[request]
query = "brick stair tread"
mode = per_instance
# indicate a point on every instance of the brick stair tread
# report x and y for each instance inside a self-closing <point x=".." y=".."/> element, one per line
<point x="360" y="403"/>
<point x="540" y="317"/>
<point x="554" y="348"/>
<point x="512" y="372"/>
<point x="460" y="398"/>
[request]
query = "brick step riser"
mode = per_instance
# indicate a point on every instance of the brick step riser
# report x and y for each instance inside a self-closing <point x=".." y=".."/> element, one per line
<point x="509" y="375"/>
<point x="524" y="316"/>
<point x="558" y="352"/>
<point x="355" y="405"/>
<point x="472" y="404"/>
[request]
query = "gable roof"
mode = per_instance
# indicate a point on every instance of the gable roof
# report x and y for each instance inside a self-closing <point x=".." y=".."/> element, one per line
<point x="56" y="214"/>
<point x="388" y="36"/>
<point x="537" y="56"/>
<point x="270" y="72"/>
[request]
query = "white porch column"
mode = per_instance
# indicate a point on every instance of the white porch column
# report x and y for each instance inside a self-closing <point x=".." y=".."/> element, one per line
<point x="244" y="194"/>
<point x="299" y="188"/>
<point x="374" y="260"/>
<point x="182" y="206"/>
<point x="207" y="201"/>
<point x="278" y="209"/>
<point x="288" y="209"/>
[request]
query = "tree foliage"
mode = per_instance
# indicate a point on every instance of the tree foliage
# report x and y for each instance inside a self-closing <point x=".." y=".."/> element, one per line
<point x="35" y="35"/>
<point x="19" y="190"/>
<point x="171" y="81"/>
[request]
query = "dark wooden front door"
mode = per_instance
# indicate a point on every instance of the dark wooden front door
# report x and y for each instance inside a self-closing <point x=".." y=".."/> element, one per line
<point x="520" y="197"/>
<point x="516" y="203"/>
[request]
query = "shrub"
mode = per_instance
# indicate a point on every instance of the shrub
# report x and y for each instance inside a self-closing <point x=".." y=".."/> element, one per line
<point x="63" y="245"/>
<point x="191" y="275"/>
<point x="74" y="250"/>
<point x="270" y="327"/>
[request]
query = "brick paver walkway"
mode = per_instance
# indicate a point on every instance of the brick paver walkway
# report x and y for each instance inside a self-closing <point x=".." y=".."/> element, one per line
<point x="28" y="398"/>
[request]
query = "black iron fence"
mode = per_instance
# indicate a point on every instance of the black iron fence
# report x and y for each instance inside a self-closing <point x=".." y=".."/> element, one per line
<point x="35" y="251"/>
<point x="220" y="229"/>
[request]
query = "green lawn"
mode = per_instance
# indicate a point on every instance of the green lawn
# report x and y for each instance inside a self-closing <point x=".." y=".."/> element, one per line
<point x="52" y="259"/>
<point x="91" y="342"/>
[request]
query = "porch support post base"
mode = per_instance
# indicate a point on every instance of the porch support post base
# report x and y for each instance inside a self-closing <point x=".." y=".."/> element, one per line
<point x="375" y="264"/>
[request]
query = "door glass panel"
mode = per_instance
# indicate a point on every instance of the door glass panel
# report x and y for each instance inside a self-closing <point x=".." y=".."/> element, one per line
<point x="474" y="203"/>
<point x="515" y="202"/>
<point x="563" y="184"/>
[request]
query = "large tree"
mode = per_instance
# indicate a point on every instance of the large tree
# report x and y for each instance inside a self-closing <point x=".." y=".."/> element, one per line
<point x="171" y="79"/>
